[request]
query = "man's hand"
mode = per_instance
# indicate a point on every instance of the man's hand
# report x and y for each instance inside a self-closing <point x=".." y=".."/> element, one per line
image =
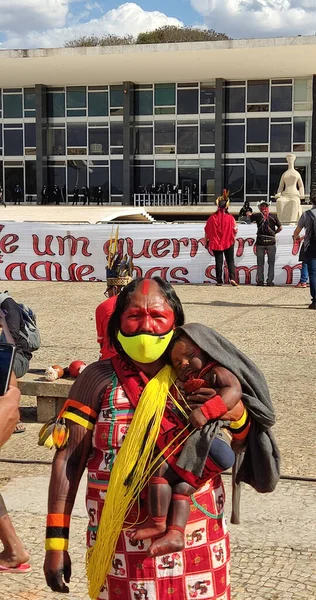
<point x="197" y="418"/>
<point x="57" y="569"/>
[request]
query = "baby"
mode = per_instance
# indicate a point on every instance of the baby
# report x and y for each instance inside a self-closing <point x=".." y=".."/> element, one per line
<point x="218" y="392"/>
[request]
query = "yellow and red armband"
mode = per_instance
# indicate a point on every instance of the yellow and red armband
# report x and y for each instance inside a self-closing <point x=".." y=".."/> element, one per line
<point x="240" y="428"/>
<point x="57" y="532"/>
<point x="79" y="413"/>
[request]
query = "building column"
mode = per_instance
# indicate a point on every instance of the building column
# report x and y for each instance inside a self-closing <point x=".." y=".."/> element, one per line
<point x="41" y="138"/>
<point x="128" y="142"/>
<point x="313" y="158"/>
<point x="219" y="136"/>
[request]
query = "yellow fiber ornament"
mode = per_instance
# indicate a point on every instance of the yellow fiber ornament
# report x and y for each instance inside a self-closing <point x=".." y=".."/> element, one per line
<point x="134" y="458"/>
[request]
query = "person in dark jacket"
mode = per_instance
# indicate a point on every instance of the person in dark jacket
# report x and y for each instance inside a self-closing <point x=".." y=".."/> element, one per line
<point x="12" y="324"/>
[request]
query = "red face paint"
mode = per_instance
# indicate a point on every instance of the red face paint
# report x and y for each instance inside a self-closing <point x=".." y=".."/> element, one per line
<point x="146" y="287"/>
<point x="147" y="312"/>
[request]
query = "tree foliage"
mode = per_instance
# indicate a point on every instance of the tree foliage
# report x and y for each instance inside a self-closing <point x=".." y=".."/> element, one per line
<point x="104" y="40"/>
<point x="171" y="35"/>
<point x="163" y="35"/>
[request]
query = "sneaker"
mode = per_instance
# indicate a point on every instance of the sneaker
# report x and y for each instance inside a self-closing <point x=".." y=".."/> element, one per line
<point x="260" y="283"/>
<point x="270" y="284"/>
<point x="219" y="283"/>
<point x="301" y="285"/>
<point x="312" y="306"/>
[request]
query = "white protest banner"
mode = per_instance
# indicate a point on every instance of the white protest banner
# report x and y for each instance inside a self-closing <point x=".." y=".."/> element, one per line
<point x="54" y="252"/>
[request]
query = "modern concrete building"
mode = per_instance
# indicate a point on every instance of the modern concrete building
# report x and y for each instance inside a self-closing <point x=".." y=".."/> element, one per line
<point x="202" y="116"/>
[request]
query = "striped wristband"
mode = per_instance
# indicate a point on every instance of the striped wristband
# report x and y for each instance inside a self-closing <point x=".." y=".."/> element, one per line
<point x="57" y="532"/>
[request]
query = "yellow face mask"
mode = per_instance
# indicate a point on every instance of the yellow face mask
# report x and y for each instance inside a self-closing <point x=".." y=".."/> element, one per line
<point x="144" y="347"/>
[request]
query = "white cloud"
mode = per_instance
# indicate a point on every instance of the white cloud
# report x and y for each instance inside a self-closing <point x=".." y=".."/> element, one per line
<point x="129" y="18"/>
<point x="256" y="18"/>
<point x="21" y="15"/>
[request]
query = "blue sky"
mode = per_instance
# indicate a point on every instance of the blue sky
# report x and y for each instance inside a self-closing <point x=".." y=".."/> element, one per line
<point x="49" y="23"/>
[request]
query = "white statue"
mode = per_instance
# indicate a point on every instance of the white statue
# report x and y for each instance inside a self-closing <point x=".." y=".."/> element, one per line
<point x="290" y="193"/>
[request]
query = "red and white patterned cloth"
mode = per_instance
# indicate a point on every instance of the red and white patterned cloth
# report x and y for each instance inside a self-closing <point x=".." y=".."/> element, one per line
<point x="200" y="571"/>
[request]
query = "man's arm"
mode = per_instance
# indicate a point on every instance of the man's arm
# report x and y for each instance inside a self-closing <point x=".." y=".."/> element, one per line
<point x="68" y="467"/>
<point x="9" y="413"/>
<point x="12" y="320"/>
<point x="296" y="234"/>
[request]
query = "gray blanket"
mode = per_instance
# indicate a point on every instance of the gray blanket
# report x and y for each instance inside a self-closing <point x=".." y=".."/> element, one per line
<point x="260" y="466"/>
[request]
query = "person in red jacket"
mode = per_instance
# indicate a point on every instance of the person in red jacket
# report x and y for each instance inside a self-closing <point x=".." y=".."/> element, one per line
<point x="220" y="233"/>
<point x="118" y="274"/>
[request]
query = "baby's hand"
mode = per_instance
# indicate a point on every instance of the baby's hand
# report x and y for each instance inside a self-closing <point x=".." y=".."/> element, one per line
<point x="197" y="419"/>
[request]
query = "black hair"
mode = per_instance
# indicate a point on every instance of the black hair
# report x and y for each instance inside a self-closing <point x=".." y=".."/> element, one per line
<point x="122" y="303"/>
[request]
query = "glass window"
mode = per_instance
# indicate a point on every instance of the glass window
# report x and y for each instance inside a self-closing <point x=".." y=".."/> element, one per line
<point x="187" y="178"/>
<point x="12" y="106"/>
<point x="55" y="104"/>
<point x="234" y="181"/>
<point x="302" y="130"/>
<point x="256" y="175"/>
<point x="257" y="91"/>
<point x="281" y="98"/>
<point x="98" y="104"/>
<point x="56" y="176"/>
<point x="98" y="140"/>
<point x="187" y="140"/>
<point x="207" y="183"/>
<point x="207" y="132"/>
<point x="280" y="140"/>
<point x="116" y="177"/>
<point x="235" y="99"/>
<point x="143" y="140"/>
<point x="165" y="173"/>
<point x="167" y="110"/>
<point x="30" y="177"/>
<point x="276" y="171"/>
<point x="76" y="97"/>
<point x="188" y="102"/>
<point x="143" y="102"/>
<point x="30" y="135"/>
<point x="99" y="176"/>
<point x="165" y="94"/>
<point x="13" y="142"/>
<point x="165" y="133"/>
<point x="77" y="174"/>
<point x="13" y="176"/>
<point x="207" y="94"/>
<point x="143" y="176"/>
<point x="76" y="134"/>
<point x="116" y="134"/>
<point x="55" y="141"/>
<point x="234" y="138"/>
<point x="29" y="99"/>
<point x="116" y="96"/>
<point x="257" y="131"/>
<point x="303" y="94"/>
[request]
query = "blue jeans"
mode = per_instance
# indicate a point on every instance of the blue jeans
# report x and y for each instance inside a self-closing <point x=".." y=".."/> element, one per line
<point x="304" y="273"/>
<point x="311" y="264"/>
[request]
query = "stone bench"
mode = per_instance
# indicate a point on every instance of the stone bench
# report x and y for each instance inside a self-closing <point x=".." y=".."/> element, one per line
<point x="50" y="395"/>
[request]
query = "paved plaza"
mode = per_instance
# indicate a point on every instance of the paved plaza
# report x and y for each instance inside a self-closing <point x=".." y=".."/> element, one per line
<point x="274" y="548"/>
